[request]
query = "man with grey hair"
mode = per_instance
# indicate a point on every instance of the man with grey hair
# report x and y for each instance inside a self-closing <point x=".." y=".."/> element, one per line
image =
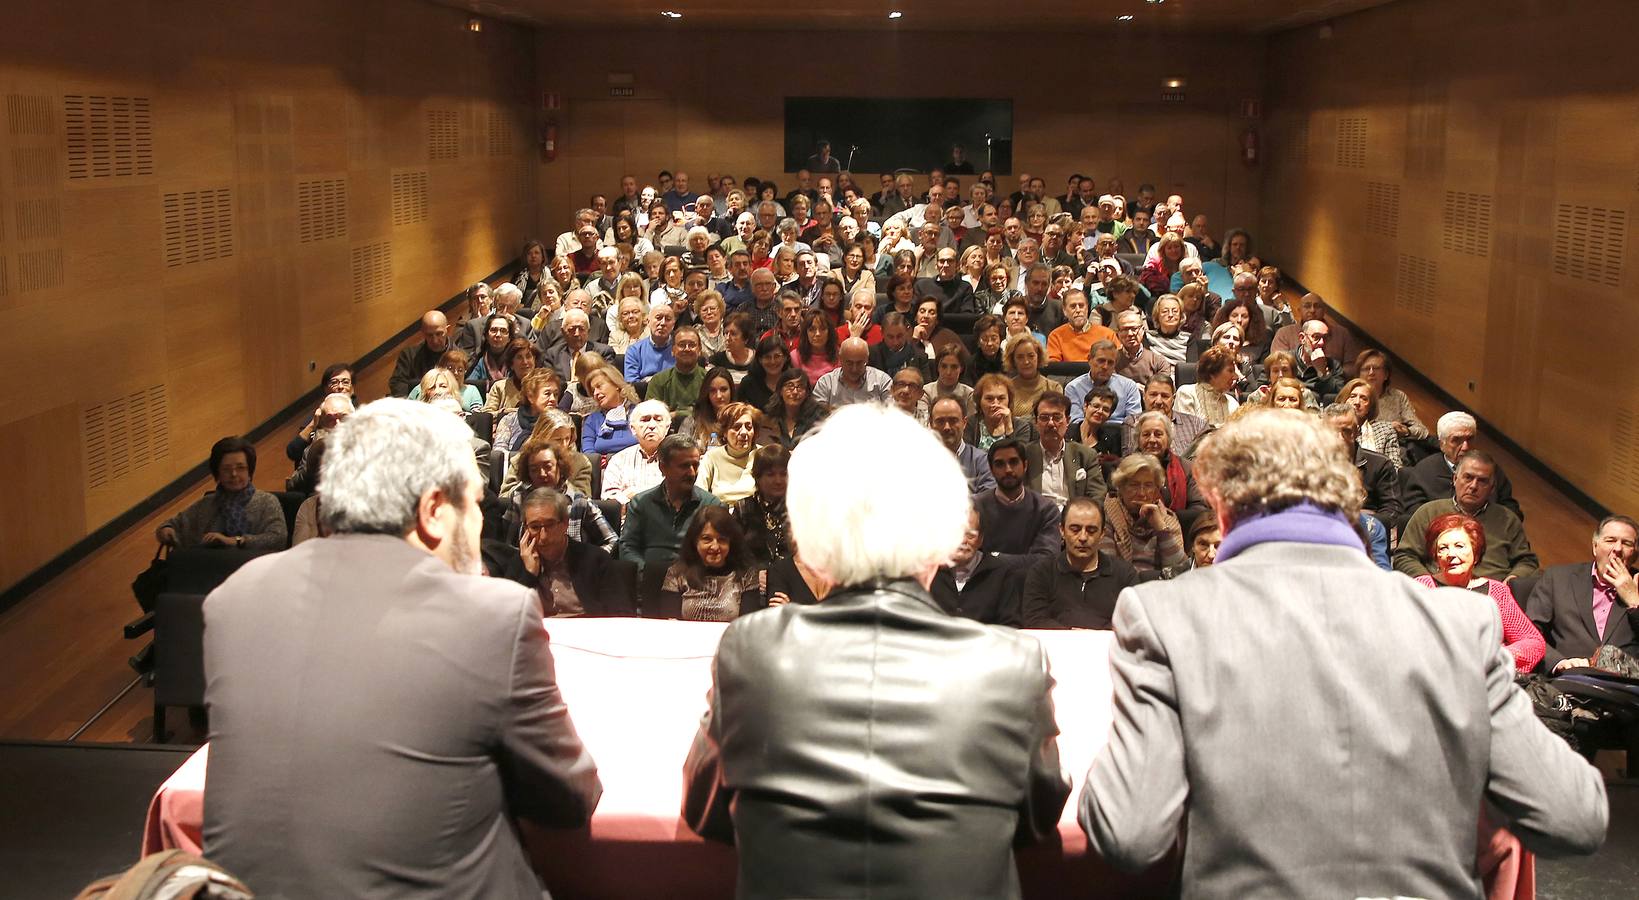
<point x="425" y="716"/>
<point x="1431" y="478"/>
<point x="333" y="409"/>
<point x="657" y="518"/>
<point x="865" y="787"/>
<point x="574" y="338"/>
<point x="1366" y="670"/>
<point x="853" y="380"/>
<point x="1508" y="554"/>
<point x="635" y="469"/>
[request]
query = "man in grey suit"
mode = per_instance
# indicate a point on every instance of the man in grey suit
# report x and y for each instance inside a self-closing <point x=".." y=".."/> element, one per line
<point x="1074" y="469"/>
<point x="380" y="714"/>
<point x="1346" y="752"/>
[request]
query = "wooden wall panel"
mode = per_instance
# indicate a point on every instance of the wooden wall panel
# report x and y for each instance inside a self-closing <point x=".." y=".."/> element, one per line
<point x="727" y="115"/>
<point x="1509" y="278"/>
<point x="153" y="160"/>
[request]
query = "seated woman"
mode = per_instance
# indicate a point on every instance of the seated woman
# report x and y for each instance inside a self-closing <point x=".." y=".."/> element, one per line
<point x="714" y="578"/>
<point x="986" y="357"/>
<point x="792" y="412"/>
<point x="490" y="366"/>
<point x="725" y="470"/>
<point x="557" y="427"/>
<point x="1286" y="393"/>
<point x="1016" y="322"/>
<point x="1211" y="396"/>
<point x="439" y="384"/>
<point x="541" y="463"/>
<point x="1024" y="360"/>
<point x="1255" y="337"/>
<point x="521" y="358"/>
<point x="1375" y="434"/>
<point x="235" y="515"/>
<point x="1138" y="527"/>
<point x="605" y="430"/>
<point x="631" y="317"/>
<point x="817" y="345"/>
<point x="1167" y="335"/>
<point x="762" y="515"/>
<point x="948" y="380"/>
<point x="1455" y="542"/>
<point x="456" y="361"/>
<point x="739" y="347"/>
<point x="1153" y="434"/>
<point x="1393" y="406"/>
<point x="995" y="420"/>
<point x="998" y="288"/>
<point x="541" y="388"/>
<point x="577" y="397"/>
<point x="1279" y="366"/>
<point x="761" y="384"/>
<point x="716" y="393"/>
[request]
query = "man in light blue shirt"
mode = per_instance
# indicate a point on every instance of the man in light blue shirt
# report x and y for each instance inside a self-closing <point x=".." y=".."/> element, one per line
<point x="1129" y="396"/>
<point x="648" y="357"/>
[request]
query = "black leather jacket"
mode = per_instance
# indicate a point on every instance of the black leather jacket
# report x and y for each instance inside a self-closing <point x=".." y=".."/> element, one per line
<point x="875" y="746"/>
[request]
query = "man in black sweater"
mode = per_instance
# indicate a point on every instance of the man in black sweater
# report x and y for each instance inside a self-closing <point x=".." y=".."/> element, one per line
<point x="413" y="362"/>
<point x="1016" y="520"/>
<point x="1077" y="588"/>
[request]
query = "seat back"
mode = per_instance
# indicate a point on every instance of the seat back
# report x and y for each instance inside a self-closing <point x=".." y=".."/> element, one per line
<point x="498" y="461"/>
<point x="1136" y="260"/>
<point x="596" y="459"/>
<point x="290" y="502"/>
<point x="483" y="425"/>
<point x="179" y="649"/>
<point x="1186" y="373"/>
<point x="199" y="570"/>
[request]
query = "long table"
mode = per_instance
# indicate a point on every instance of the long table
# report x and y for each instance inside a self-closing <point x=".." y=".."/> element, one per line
<point x="636" y="689"/>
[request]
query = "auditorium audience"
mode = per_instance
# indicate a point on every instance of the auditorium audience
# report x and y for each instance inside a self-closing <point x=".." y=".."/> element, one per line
<point x="1136" y="360"/>
<point x="1278" y="366"/>
<point x="1378" y="478"/>
<point x="1508" y="553"/>
<point x="1393" y="406"/>
<point x="1101" y="373"/>
<point x="995" y="420"/>
<point x="1015" y="519"/>
<point x="725" y="470"/>
<point x="1160" y="396"/>
<point x="1072" y="341"/>
<point x="979" y="585"/>
<point x="1375" y="434"/>
<point x="678" y="385"/>
<point x="306" y="525"/>
<point x="791" y="413"/>
<point x="541" y="389"/>
<point x="700" y="421"/>
<point x="337" y="379"/>
<point x="1204" y="538"/>
<point x="854" y="380"/>
<point x="1152" y="434"/>
<point x="1212" y="396"/>
<point x="1455" y="543"/>
<point x="1431" y="478"/>
<point x="544" y="462"/>
<point x="762" y="515"/>
<point x="948" y="382"/>
<point x="1076" y="588"/>
<point x="1024" y="360"/>
<point x="607" y="429"/>
<point x="647" y="358"/>
<point x="414" y="361"/>
<point x="333" y="409"/>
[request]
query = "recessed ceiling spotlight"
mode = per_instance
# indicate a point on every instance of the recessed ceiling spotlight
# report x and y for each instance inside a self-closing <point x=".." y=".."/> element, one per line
<point x="672" y="14"/>
<point x="895" y="14"/>
<point x="1156" y="2"/>
<point x="1123" y="18"/>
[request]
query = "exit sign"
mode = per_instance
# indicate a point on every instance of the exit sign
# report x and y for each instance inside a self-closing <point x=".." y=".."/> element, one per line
<point x="622" y="92"/>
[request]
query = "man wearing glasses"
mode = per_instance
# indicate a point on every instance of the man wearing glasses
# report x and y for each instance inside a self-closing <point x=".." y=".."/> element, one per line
<point x="1057" y="468"/>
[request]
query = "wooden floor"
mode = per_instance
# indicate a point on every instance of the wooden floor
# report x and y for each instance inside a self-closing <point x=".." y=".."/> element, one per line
<point x="62" y="658"/>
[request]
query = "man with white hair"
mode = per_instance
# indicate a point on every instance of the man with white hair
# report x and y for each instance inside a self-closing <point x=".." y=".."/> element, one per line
<point x="1431" y="478"/>
<point x="1370" y="670"/>
<point x="864" y="787"/>
<point x="744" y="227"/>
<point x="649" y="357"/>
<point x="574" y="338"/>
<point x="853" y="380"/>
<point x="333" y="409"/>
<point x="635" y="469"/>
<point x="427" y="716"/>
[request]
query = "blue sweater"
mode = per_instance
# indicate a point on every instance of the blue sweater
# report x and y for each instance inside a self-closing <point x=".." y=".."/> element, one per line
<point x="645" y="360"/>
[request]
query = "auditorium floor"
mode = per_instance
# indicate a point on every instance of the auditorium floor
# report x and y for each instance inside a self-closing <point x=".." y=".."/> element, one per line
<point x="62" y="657"/>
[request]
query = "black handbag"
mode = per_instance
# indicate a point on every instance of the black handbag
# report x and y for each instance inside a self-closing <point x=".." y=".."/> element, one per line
<point x="152" y="582"/>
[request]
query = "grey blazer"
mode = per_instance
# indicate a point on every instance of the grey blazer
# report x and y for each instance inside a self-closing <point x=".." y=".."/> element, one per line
<point x="1329" y="729"/>
<point x="377" y="721"/>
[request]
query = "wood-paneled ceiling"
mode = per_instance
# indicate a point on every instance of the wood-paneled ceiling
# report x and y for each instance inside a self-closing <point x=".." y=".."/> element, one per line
<point x="1231" y="16"/>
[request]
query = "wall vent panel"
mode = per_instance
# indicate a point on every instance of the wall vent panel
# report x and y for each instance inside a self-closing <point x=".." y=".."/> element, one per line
<point x="321" y="210"/>
<point x="500" y="134"/>
<point x="108" y="137"/>
<point x="30" y="114"/>
<point x="443" y="134"/>
<point x="1589" y="243"/>
<point x="1351" y="142"/>
<point x="1383" y="208"/>
<point x="372" y="271"/>
<point x="34" y="167"/>
<point x="1415" y="285"/>
<point x="39" y="219"/>
<point x="409" y="200"/>
<point x="124" y="435"/>
<point x="4" y="286"/>
<point x="1623" y="467"/>
<point x="1298" y="149"/>
<point x="39" y="270"/>
<point x="198" y="226"/>
<point x="1466" y="223"/>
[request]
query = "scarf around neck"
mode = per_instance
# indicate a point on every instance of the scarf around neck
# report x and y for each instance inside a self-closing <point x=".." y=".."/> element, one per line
<point x="1305" y="523"/>
<point x="230" y="510"/>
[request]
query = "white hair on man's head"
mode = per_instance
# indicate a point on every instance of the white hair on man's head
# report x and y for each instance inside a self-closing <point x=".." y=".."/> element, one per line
<point x="1452" y="421"/>
<point x="648" y="407"/>
<point x="850" y="521"/>
<point x="509" y="291"/>
<point x="337" y="403"/>
<point x="381" y="460"/>
<point x="746" y="218"/>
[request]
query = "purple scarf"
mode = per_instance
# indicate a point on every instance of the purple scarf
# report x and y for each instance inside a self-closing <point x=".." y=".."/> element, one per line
<point x="1305" y="523"/>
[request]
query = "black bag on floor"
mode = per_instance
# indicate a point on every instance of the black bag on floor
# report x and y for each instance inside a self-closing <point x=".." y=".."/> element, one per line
<point x="1552" y="707"/>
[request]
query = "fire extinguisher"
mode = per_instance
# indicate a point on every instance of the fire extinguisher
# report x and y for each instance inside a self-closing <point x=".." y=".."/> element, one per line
<point x="1249" y="146"/>
<point x="549" y="140"/>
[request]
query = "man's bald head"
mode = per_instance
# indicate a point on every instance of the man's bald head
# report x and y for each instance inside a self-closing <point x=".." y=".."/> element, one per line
<point x="435" y="331"/>
<point x="854" y="349"/>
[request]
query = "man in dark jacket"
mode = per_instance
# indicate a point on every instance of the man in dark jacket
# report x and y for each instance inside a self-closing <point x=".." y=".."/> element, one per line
<point x="979" y="585"/>
<point x="866" y="788"/>
<point x="572" y="579"/>
<point x="1377" y="474"/>
<point x="414" y="362"/>
<point x="1431" y="478"/>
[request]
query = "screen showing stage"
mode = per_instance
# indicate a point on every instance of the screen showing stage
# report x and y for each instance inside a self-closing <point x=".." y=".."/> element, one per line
<point x="899" y="133"/>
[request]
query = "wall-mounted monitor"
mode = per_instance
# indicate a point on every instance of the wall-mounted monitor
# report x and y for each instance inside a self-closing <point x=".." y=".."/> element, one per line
<point x="900" y="133"/>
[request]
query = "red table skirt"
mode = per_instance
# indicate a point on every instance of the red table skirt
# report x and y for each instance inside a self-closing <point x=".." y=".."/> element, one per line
<point x="627" y="680"/>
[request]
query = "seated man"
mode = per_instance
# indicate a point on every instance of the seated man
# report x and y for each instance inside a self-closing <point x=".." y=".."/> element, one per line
<point x="635" y="469"/>
<point x="1430" y="479"/>
<point x="657" y="518"/>
<point x="1136" y="360"/>
<point x="648" y="357"/>
<point x="426" y="717"/>
<point x="1318" y="372"/>
<point x="1072" y="341"/>
<point x="1017" y="521"/>
<point x="575" y="333"/>
<point x="572" y="579"/>
<point x="332" y="410"/>
<point x="1187" y="428"/>
<point x="866" y="788"/>
<point x="678" y="386"/>
<point x="978" y="585"/>
<point x="896" y="351"/>
<point x="948" y="419"/>
<point x="1101" y="373"/>
<point x="1377" y="473"/>
<point x="1508" y="553"/>
<point x="1340" y="344"/>
<point x="947" y="284"/>
<point x="416" y="360"/>
<point x="908" y="394"/>
<point x="1078" y="587"/>
<point x="853" y="380"/>
<point x="1057" y="468"/>
<point x="1579" y="610"/>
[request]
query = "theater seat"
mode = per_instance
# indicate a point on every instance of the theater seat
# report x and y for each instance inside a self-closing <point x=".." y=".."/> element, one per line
<point x="290" y="502"/>
<point x="1186" y="373"/>
<point x="179" y="657"/>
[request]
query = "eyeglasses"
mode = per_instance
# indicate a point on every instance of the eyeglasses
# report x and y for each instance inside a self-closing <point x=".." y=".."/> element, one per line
<point x="1050" y="418"/>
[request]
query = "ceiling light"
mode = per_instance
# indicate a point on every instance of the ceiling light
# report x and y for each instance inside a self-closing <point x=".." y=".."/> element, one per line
<point x="1123" y="18"/>
<point x="475" y="24"/>
<point x="895" y="14"/>
<point x="1173" y="84"/>
<point x="672" y="14"/>
<point x="1156" y="2"/>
